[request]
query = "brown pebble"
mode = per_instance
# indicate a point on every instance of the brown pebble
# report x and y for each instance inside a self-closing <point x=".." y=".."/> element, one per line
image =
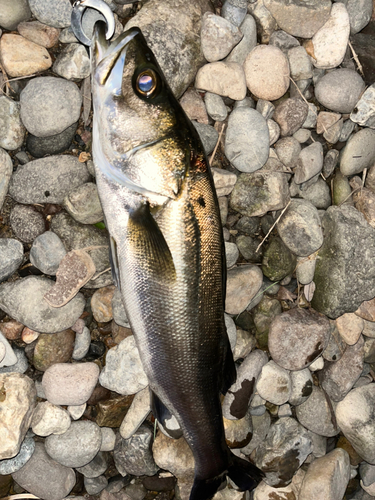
<point x="39" y="33"/>
<point x="52" y="348"/>
<point x="101" y="304"/>
<point x="29" y="335"/>
<point x="343" y="443"/>
<point x="112" y="412"/>
<point x="12" y="329"/>
<point x="20" y="57"/>
<point x="119" y="332"/>
<point x="367" y="310"/>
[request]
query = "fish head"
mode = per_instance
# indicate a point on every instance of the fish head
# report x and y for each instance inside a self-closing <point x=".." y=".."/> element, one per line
<point x="141" y="135"/>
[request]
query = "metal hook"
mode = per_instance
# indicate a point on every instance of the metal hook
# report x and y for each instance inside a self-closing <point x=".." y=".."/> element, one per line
<point x="76" y="20"/>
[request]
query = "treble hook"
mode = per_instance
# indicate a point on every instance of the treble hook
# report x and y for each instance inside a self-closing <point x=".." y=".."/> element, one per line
<point x="79" y="7"/>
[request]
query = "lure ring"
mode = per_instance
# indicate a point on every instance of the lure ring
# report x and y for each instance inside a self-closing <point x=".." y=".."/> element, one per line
<point x="79" y="8"/>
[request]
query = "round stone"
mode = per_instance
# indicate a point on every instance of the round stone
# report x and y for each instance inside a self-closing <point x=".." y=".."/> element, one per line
<point x="26" y="223"/>
<point x="49" y="419"/>
<point x="340" y="90"/>
<point x="359" y="152"/>
<point x="12" y="131"/>
<point x="46" y="252"/>
<point x="13" y="12"/>
<point x="11" y="256"/>
<point x="56" y="13"/>
<point x="53" y="348"/>
<point x="301" y="386"/>
<point x="51" y="145"/>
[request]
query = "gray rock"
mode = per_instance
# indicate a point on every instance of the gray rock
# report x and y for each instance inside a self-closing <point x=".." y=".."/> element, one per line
<point x="285" y="439"/>
<point x="208" y="136"/>
<point x="14" y="464"/>
<point x="52" y="145"/>
<point x="359" y="152"/>
<point x="215" y="106"/>
<point x="273" y="130"/>
<point x="218" y="37"/>
<point x="339" y="90"/>
<point x="49" y="105"/>
<point x="231" y="253"/>
<point x="265" y="108"/>
<point x="278" y="261"/>
<point x="108" y="439"/>
<point x="23" y="301"/>
<point x="274" y="384"/>
<point x="240" y="51"/>
<point x="133" y="455"/>
<point x="46" y="252"/>
<point x="336" y="346"/>
<point x="76" y="411"/>
<point x="118" y="310"/>
<point x="11" y="256"/>
<point x="224" y="78"/>
<point x="8" y="357"/>
<point x="12" y="131"/>
<point x="234" y="11"/>
<point x="309" y="163"/>
<point x="224" y="181"/>
<point x="301" y="386"/>
<point x="319" y="193"/>
<point x="13" y="12"/>
<point x="359" y="14"/>
<point x="364" y="112"/>
<point x="45" y="478"/>
<point x="291" y="115"/>
<point x="283" y="40"/>
<point x="82" y="344"/>
<point x="22" y="364"/>
<point x="6" y="169"/>
<point x="243" y="284"/>
<point x="67" y="35"/>
<point x="288" y="150"/>
<point x="77" y="446"/>
<point x="265" y="20"/>
<point x="346" y="130"/>
<point x="248" y="248"/>
<point x="353" y="240"/>
<point x="96" y="467"/>
<point x="72" y="62"/>
<point x="302" y="135"/>
<point x="137" y="413"/>
<point x="316" y="414"/>
<point x="300" y="63"/>
<point x="55" y="13"/>
<point x="330" y="161"/>
<point x="311" y="118"/>
<point x="26" y="223"/>
<point x="83" y="204"/>
<point x="305" y="269"/>
<point x="95" y="485"/>
<point x="300" y="228"/>
<point x="172" y="32"/>
<point x="261" y="426"/>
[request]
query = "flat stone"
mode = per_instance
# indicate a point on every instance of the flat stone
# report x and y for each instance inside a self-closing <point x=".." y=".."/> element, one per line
<point x="267" y="72"/>
<point x="23" y="300"/>
<point x="137" y="413"/>
<point x="12" y="131"/>
<point x="278" y="261"/>
<point x="274" y="384"/>
<point x="315" y="414"/>
<point x="291" y="115"/>
<point x="16" y="411"/>
<point x="49" y="419"/>
<point x="70" y="384"/>
<point x="173" y="455"/>
<point x="218" y="37"/>
<point x="45" y="478"/>
<point x="46" y="252"/>
<point x="134" y="455"/>
<point x="11" y="256"/>
<point x="20" y="57"/>
<point x="77" y="446"/>
<point x="245" y="46"/>
<point x="327" y="477"/>
<point x="51" y="145"/>
<point x="340" y="90"/>
<point x="72" y="63"/>
<point x="243" y="283"/>
<point x="297" y="337"/>
<point x="359" y="152"/>
<point x="13" y="12"/>
<point x="53" y="348"/>
<point x="55" y="13"/>
<point x="26" y="223"/>
<point x="14" y="464"/>
<point x="301" y="386"/>
<point x="224" y="78"/>
<point x="39" y="33"/>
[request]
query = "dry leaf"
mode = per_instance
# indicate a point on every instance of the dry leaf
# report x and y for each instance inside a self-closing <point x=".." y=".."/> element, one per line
<point x="83" y="157"/>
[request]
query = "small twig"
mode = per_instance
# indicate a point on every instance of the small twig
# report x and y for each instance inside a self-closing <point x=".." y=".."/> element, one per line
<point x="99" y="274"/>
<point x="355" y="57"/>
<point x="273" y="225"/>
<point x="349" y="195"/>
<point x="21" y="78"/>
<point x="217" y="145"/>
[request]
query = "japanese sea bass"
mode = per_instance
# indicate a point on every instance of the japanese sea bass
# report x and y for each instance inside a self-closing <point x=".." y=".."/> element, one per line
<point x="163" y="218"/>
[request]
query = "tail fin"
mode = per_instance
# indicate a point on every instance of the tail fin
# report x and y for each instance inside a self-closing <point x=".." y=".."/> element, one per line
<point x="204" y="489"/>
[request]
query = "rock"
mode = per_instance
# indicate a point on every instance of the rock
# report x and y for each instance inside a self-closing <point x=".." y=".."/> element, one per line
<point x="364" y="112"/>
<point x="327" y="477"/>
<point x="317" y="365"/>
<point x="46" y="252"/>
<point x="359" y="14"/>
<point x="55" y="13"/>
<point x="23" y="301"/>
<point x="6" y="169"/>
<point x="77" y="411"/>
<point x="94" y="486"/>
<point x="350" y="327"/>
<point x="297" y="337"/>
<point x="330" y="42"/>
<point x="238" y="432"/>
<point x="344" y="227"/>
<point x="101" y="304"/>
<point x="22" y="364"/>
<point x="341" y="189"/>
<point x="72" y="62"/>
<point x="224" y="181"/>
<point x="302" y="135"/>
<point x="247" y="140"/>
<point x="17" y="403"/>
<point x="291" y="115"/>
<point x="248" y="42"/>
<point x="316" y="415"/>
<point x="14" y="464"/>
<point x="299" y="63"/>
<point x="208" y="135"/>
<point x="260" y="192"/>
<point x="243" y="283"/>
<point x="340" y="90"/>
<point x="248" y="248"/>
<point x="359" y="152"/>
<point x="278" y="261"/>
<point x="49" y="419"/>
<point x="263" y="314"/>
<point x="49" y="105"/>
<point x="12" y="329"/>
<point x="234" y="11"/>
<point x="232" y="253"/>
<point x="224" y="78"/>
<point x="108" y="439"/>
<point x="173" y="455"/>
<point x="39" y="33"/>
<point x="330" y="162"/>
<point x="274" y="384"/>
<point x="45" y="478"/>
<point x="133" y="455"/>
<point x="82" y="344"/>
<point x="301" y="386"/>
<point x="96" y="467"/>
<point x="53" y="348"/>
<point x="11" y="256"/>
<point x="26" y="223"/>
<point x="288" y="150"/>
<point x="284" y="450"/>
<point x="366" y="311"/>
<point x="298" y="18"/>
<point x="12" y="131"/>
<point x="51" y="145"/>
<point x="267" y="72"/>
<point x="193" y="105"/>
<point x="172" y="32"/>
<point x="312" y="114"/>
<point x="265" y="21"/>
<point x="283" y="40"/>
<point x="20" y="57"/>
<point x="13" y="12"/>
<point x="70" y="384"/>
<point x="326" y="120"/>
<point x="111" y="412"/>
<point x="123" y="371"/>
<point x="137" y="413"/>
<point x="118" y="310"/>
<point x="215" y="107"/>
<point x="218" y="37"/>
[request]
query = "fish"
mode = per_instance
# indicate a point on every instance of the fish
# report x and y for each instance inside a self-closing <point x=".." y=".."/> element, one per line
<point x="167" y="249"/>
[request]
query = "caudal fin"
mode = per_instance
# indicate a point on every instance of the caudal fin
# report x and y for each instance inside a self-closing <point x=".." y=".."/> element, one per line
<point x="204" y="489"/>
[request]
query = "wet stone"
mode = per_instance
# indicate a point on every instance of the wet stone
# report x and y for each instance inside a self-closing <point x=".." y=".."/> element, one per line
<point x="51" y="145"/>
<point x="291" y="115"/>
<point x="316" y="415"/>
<point x="26" y="223"/>
<point x="49" y="419"/>
<point x="340" y="90"/>
<point x="134" y="455"/>
<point x="12" y="131"/>
<point x="72" y="62"/>
<point x="53" y="348"/>
<point x="46" y="252"/>
<point x="11" y="256"/>
<point x="278" y="261"/>
<point x="274" y="384"/>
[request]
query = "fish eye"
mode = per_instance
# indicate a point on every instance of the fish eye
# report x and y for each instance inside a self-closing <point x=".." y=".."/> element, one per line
<point x="146" y="82"/>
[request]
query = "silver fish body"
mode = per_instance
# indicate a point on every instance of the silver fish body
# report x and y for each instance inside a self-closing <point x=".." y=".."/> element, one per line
<point x="163" y="218"/>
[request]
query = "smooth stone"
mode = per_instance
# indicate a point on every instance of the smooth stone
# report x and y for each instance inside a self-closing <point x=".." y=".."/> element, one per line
<point x="77" y="411"/>
<point x="224" y="181"/>
<point x="218" y="37"/>
<point x="14" y="464"/>
<point x="288" y="150"/>
<point x="46" y="252"/>
<point x="208" y="135"/>
<point x="13" y="12"/>
<point x="247" y="247"/>
<point x="315" y="414"/>
<point x="301" y="386"/>
<point x="273" y="130"/>
<point x="299" y="63"/>
<point x="261" y="425"/>
<point x="193" y="105"/>
<point x="341" y="189"/>
<point x="267" y="72"/>
<point x="247" y="140"/>
<point x="346" y="130"/>
<point x="302" y="135"/>
<point x="12" y="330"/>
<point x="278" y="261"/>
<point x="359" y="152"/>
<point x="118" y="310"/>
<point x="364" y="202"/>
<point x="49" y="419"/>
<point x="359" y="14"/>
<point x="47" y="180"/>
<point x="299" y="19"/>
<point x="39" y="33"/>
<point x="108" y="439"/>
<point x="83" y="204"/>
<point x="94" y="486"/>
<point x="297" y="337"/>
<point x="70" y="384"/>
<point x="224" y="78"/>
<point x="350" y="327"/>
<point x="263" y="314"/>
<point x="305" y="269"/>
<point x="20" y="57"/>
<point x="123" y="371"/>
<point x="55" y="13"/>
<point x="245" y="46"/>
<point x="134" y="455"/>
<point x="49" y="105"/>
<point x="234" y="11"/>
<point x="12" y="131"/>
<point x="16" y="411"/>
<point x="23" y="300"/>
<point x="96" y="467"/>
<point x="285" y="439"/>
<point x="50" y="349"/>
<point x="331" y="40"/>
<point x="274" y="384"/>
<point x="364" y="111"/>
<point x="340" y="90"/>
<point x="283" y="40"/>
<point x="327" y="477"/>
<point x="265" y="108"/>
<point x="245" y="343"/>
<point x="300" y="228"/>
<point x="238" y="433"/>
<point x="317" y="365"/>
<point x="11" y="256"/>
<point x="326" y="120"/>
<point x="243" y="283"/>
<point x="26" y="223"/>
<point x="343" y="228"/>
<point x="232" y="253"/>
<point x="110" y="412"/>
<point x="137" y="413"/>
<point x="366" y="311"/>
<point x="72" y="63"/>
<point x="77" y="446"/>
<point x="6" y="170"/>
<point x="311" y="118"/>
<point x="51" y="145"/>
<point x="291" y="115"/>
<point x="215" y="106"/>
<point x="175" y="456"/>
<point x="22" y="364"/>
<point x="82" y="344"/>
<point x="43" y="477"/>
